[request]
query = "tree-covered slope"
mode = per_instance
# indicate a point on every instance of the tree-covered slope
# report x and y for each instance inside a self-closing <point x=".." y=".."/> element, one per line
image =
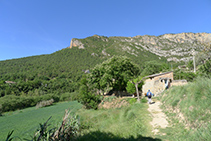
<point x="60" y="71"/>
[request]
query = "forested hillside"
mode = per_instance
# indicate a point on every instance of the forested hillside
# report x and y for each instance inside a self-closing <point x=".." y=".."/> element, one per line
<point x="58" y="75"/>
<point x="55" y="72"/>
<point x="60" y="71"/>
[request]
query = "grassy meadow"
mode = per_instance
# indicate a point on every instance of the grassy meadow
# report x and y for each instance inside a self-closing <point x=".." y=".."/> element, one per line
<point x="25" y="122"/>
<point x="130" y="122"/>
<point x="189" y="108"/>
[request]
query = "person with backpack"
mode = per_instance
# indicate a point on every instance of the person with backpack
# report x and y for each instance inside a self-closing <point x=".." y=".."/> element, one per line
<point x="149" y="95"/>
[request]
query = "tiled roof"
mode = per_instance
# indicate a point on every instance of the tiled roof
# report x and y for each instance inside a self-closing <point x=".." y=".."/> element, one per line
<point x="158" y="74"/>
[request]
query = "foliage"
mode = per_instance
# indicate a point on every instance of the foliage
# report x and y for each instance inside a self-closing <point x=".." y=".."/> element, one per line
<point x="152" y="67"/>
<point x="60" y="72"/>
<point x="131" y="87"/>
<point x="38" y="75"/>
<point x="206" y="68"/>
<point x="109" y="98"/>
<point x="86" y="97"/>
<point x="12" y="102"/>
<point x="189" y="76"/>
<point x="132" y="101"/>
<point x="114" y="72"/>
<point x="68" y="96"/>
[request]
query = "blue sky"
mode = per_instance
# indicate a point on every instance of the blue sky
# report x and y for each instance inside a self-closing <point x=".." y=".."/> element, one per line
<point x="35" y="27"/>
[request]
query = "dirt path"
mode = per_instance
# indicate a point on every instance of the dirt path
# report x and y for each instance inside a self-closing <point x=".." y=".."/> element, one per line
<point x="159" y="119"/>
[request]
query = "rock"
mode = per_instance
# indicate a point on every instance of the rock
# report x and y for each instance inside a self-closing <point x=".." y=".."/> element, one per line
<point x="76" y="43"/>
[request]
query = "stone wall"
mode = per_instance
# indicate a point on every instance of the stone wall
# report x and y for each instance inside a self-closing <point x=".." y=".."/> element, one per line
<point x="178" y="82"/>
<point x="156" y="82"/>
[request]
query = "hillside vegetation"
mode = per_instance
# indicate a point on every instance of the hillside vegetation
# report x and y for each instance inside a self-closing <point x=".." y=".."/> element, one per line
<point x="27" y="81"/>
<point x="189" y="108"/>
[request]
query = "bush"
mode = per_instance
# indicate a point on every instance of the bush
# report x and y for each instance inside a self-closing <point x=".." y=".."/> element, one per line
<point x="68" y="96"/>
<point x="12" y="102"/>
<point x="89" y="100"/>
<point x="109" y="99"/>
<point x="44" y="103"/>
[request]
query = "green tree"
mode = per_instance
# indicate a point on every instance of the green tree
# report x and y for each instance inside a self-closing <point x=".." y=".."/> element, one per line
<point x="131" y="87"/>
<point x="86" y="97"/>
<point x="136" y="83"/>
<point x="152" y="67"/>
<point x="114" y="73"/>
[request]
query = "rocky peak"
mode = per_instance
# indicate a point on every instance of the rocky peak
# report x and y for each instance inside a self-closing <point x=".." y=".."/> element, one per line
<point x="190" y="37"/>
<point x="76" y="43"/>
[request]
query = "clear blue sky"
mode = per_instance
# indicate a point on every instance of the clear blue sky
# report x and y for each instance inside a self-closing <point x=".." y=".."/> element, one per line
<point x="35" y="27"/>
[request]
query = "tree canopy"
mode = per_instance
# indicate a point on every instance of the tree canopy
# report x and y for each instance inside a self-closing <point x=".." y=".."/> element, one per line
<point x="113" y="73"/>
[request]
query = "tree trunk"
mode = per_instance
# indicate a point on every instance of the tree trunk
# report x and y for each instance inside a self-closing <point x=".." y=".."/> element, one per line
<point x="138" y="99"/>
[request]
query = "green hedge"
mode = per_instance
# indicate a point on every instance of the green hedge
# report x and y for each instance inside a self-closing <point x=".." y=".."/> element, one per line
<point x="12" y="102"/>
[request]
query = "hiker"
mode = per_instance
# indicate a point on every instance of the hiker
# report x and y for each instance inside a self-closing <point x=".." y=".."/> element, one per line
<point x="149" y="95"/>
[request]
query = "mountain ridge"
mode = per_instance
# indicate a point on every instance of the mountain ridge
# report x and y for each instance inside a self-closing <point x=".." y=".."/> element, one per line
<point x="174" y="47"/>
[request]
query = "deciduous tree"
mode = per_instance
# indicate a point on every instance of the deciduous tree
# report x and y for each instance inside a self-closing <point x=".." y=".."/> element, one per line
<point x="114" y="72"/>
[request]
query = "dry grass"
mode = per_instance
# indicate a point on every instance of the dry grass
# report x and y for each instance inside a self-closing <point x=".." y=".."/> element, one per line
<point x="44" y="103"/>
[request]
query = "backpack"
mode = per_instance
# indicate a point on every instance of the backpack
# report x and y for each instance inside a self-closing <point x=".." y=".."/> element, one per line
<point x="149" y="94"/>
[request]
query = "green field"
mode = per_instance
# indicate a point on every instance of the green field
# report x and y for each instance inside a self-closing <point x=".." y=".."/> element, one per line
<point x="130" y="122"/>
<point x="25" y="122"/>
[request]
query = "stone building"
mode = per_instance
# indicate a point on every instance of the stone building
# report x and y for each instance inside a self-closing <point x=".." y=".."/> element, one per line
<point x="157" y="83"/>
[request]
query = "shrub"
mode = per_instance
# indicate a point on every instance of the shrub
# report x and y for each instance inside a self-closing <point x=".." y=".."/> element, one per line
<point x="12" y="102"/>
<point x="68" y="96"/>
<point x="68" y="129"/>
<point x="44" y="103"/>
<point x="88" y="99"/>
<point x="109" y="99"/>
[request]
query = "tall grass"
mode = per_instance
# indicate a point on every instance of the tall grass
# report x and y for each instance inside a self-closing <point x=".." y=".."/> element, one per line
<point x="125" y="122"/>
<point x="189" y="107"/>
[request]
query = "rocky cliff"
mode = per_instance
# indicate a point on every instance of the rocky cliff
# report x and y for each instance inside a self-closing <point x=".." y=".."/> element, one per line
<point x="174" y="47"/>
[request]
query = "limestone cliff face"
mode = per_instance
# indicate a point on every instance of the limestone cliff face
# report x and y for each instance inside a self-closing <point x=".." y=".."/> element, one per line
<point x="76" y="43"/>
<point x="189" y="37"/>
<point x="174" y="47"/>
